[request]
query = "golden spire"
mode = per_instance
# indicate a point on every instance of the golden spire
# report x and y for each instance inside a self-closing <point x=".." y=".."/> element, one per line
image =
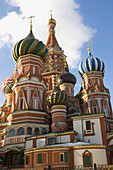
<point x="51" y="13"/>
<point x="80" y="81"/>
<point x="31" y="21"/>
<point x="88" y="47"/>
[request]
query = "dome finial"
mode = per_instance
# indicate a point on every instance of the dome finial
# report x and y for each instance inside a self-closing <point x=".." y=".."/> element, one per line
<point x="51" y="20"/>
<point x="89" y="52"/>
<point x="51" y="13"/>
<point x="31" y="21"/>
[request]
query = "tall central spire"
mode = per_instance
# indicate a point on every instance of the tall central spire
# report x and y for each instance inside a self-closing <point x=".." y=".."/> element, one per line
<point x="52" y="41"/>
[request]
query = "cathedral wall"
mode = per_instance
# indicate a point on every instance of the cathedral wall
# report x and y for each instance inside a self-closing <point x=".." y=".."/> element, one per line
<point x="98" y="155"/>
<point x="89" y="129"/>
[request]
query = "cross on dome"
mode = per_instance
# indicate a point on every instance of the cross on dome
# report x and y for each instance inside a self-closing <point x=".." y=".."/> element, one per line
<point x="89" y="52"/>
<point x="51" y="13"/>
<point x="31" y="17"/>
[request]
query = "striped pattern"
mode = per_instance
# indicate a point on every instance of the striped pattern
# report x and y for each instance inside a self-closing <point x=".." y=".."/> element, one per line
<point x="7" y="84"/>
<point x="66" y="77"/>
<point x="57" y="97"/>
<point x="8" y="88"/>
<point x="91" y="63"/>
<point x="29" y="45"/>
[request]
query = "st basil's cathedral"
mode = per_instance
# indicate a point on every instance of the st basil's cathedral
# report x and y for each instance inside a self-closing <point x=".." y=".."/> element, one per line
<point x="43" y="123"/>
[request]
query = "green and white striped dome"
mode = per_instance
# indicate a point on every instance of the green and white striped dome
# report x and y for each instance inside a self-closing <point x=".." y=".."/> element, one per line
<point x="29" y="45"/>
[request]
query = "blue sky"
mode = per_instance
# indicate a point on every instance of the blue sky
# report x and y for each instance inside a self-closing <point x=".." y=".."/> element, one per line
<point x="77" y="22"/>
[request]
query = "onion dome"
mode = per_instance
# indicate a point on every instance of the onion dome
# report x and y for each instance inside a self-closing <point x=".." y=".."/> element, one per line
<point x="91" y="63"/>
<point x="8" y="83"/>
<point x="66" y="77"/>
<point x="29" y="45"/>
<point x="57" y="97"/>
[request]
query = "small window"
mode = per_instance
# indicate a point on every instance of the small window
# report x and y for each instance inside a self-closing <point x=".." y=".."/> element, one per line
<point x="35" y="103"/>
<point x="27" y="160"/>
<point x="33" y="70"/>
<point x="56" y="121"/>
<point x="12" y="132"/>
<point x="39" y="158"/>
<point x="88" y="125"/>
<point x="25" y="70"/>
<point x="36" y="131"/>
<point x="21" y="104"/>
<point x="51" y="141"/>
<point x="44" y="130"/>
<point x="20" y="131"/>
<point x="61" y="157"/>
<point x="29" y="131"/>
<point x="95" y="110"/>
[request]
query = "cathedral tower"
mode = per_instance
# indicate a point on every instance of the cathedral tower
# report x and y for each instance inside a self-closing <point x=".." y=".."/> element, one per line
<point x="96" y="97"/>
<point x="54" y="66"/>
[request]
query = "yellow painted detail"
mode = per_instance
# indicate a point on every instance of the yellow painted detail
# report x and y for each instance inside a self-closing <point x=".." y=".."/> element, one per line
<point x="93" y="115"/>
<point x="22" y="45"/>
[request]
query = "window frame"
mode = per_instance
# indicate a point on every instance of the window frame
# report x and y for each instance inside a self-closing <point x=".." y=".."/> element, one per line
<point x="87" y="128"/>
<point x="62" y="158"/>
<point x="56" y="121"/>
<point x="39" y="161"/>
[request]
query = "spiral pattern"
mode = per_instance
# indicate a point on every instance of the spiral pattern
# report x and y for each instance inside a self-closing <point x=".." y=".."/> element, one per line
<point x="57" y="98"/>
<point x="66" y="77"/>
<point x="30" y="45"/>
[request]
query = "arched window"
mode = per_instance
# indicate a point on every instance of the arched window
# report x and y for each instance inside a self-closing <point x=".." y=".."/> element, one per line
<point x="56" y="121"/>
<point x="43" y="130"/>
<point x="36" y="131"/>
<point x="29" y="131"/>
<point x="61" y="157"/>
<point x="35" y="102"/>
<point x="20" y="131"/>
<point x="12" y="132"/>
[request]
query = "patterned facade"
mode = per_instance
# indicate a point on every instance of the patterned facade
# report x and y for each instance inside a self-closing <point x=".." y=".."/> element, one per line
<point x="42" y="122"/>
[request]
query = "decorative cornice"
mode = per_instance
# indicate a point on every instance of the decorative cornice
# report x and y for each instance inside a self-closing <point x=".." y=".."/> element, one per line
<point x="88" y="115"/>
<point x="55" y="147"/>
<point x="52" y="134"/>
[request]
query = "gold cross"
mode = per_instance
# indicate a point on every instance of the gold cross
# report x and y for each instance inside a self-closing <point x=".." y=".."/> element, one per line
<point x="51" y="13"/>
<point x="88" y="43"/>
<point x="88" y="46"/>
<point x="31" y="17"/>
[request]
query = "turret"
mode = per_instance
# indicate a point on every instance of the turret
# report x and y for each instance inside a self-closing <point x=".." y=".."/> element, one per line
<point x="58" y="101"/>
<point x="95" y="95"/>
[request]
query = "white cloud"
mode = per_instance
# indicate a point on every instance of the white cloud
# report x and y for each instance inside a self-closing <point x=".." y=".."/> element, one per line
<point x="71" y="32"/>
